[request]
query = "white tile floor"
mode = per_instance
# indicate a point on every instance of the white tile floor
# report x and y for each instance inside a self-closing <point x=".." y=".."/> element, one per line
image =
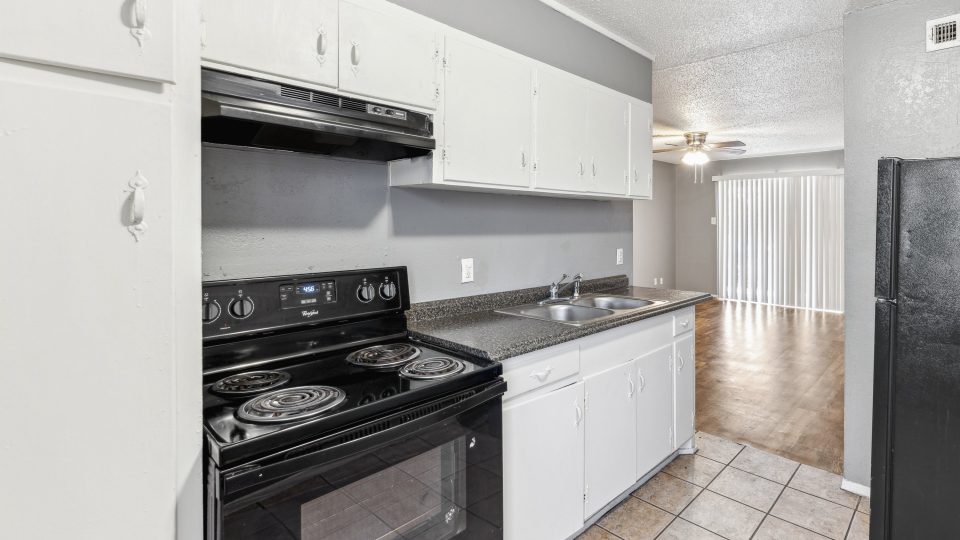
<point x="736" y="492"/>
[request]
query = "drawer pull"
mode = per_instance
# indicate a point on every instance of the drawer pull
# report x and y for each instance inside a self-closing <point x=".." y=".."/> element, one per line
<point x="684" y="323"/>
<point x="541" y="375"/>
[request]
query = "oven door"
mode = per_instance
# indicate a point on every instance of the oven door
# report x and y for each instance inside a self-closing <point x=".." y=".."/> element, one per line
<point x="431" y="471"/>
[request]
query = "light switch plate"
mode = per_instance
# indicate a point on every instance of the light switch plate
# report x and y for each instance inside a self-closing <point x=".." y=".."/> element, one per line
<point x="466" y="270"/>
<point x="619" y="255"/>
<point x="713" y="221"/>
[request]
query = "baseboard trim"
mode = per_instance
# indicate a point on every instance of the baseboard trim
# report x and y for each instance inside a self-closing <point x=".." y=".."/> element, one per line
<point x="854" y="487"/>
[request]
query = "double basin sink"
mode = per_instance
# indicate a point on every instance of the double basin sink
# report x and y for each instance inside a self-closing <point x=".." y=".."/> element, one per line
<point x="583" y="310"/>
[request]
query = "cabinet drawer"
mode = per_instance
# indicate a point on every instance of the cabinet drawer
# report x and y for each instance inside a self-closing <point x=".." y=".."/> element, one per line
<point x="540" y="371"/>
<point x="684" y="321"/>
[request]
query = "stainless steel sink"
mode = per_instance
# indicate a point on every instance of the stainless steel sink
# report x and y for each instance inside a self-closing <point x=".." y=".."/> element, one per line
<point x="614" y="302"/>
<point x="583" y="310"/>
<point x="566" y="313"/>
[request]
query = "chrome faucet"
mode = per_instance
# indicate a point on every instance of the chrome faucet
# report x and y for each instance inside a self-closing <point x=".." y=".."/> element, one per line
<point x="558" y="285"/>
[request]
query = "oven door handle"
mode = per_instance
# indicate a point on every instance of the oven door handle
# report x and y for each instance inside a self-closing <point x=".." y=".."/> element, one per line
<point x="241" y="481"/>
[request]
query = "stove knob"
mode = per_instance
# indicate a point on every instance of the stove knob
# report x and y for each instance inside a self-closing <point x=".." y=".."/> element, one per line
<point x="211" y="311"/>
<point x="388" y="290"/>
<point x="366" y="292"/>
<point x="242" y="308"/>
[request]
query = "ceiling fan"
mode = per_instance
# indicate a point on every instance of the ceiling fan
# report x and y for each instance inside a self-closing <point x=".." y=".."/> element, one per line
<point x="696" y="147"/>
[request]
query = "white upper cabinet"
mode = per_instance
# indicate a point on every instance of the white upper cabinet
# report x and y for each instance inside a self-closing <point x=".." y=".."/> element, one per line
<point x="641" y="150"/>
<point x="488" y="114"/>
<point x="654" y="408"/>
<point x="562" y="157"/>
<point x="607" y="136"/>
<point x="294" y="40"/>
<point x="543" y="465"/>
<point x="610" y="449"/>
<point x="132" y="38"/>
<point x="685" y="384"/>
<point x="390" y="54"/>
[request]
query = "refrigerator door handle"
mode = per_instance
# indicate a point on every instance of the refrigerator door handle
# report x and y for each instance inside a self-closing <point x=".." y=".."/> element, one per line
<point x="887" y="301"/>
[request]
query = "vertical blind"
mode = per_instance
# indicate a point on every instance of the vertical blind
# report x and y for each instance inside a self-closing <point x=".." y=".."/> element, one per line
<point x="780" y="240"/>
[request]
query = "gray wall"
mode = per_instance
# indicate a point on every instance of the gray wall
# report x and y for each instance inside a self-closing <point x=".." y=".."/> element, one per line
<point x="898" y="101"/>
<point x="696" y="237"/>
<point x="268" y="213"/>
<point x="696" y="204"/>
<point x="534" y="29"/>
<point x="654" y="232"/>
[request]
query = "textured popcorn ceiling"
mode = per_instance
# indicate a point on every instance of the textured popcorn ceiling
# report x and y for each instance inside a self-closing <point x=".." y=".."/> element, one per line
<point x="764" y="72"/>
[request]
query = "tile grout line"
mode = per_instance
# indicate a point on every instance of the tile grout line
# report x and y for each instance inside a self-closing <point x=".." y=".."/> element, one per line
<point x="775" y="501"/>
<point x="800" y="490"/>
<point x="853" y="517"/>
<point x="702" y="489"/>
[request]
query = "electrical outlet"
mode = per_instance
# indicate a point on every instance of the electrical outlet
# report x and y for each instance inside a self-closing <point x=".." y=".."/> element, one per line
<point x="713" y="221"/>
<point x="619" y="255"/>
<point x="654" y="282"/>
<point x="661" y="281"/>
<point x="466" y="270"/>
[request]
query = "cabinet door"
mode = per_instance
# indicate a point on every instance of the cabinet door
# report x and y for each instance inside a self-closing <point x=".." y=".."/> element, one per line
<point x="654" y="408"/>
<point x="70" y="149"/>
<point x="641" y="150"/>
<point x="388" y="55"/>
<point x="129" y="38"/>
<point x="561" y="140"/>
<point x="488" y="114"/>
<point x="684" y="388"/>
<point x="608" y="140"/>
<point x="543" y="466"/>
<point x="610" y="448"/>
<point x="293" y="39"/>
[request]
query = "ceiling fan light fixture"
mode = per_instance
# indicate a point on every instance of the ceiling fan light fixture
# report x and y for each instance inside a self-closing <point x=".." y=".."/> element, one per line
<point x="695" y="157"/>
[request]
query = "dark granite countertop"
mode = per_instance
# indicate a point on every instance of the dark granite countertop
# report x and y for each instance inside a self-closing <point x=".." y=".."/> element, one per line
<point x="497" y="337"/>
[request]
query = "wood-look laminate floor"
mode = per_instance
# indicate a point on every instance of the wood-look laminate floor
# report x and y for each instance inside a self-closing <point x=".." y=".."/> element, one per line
<point x="772" y="378"/>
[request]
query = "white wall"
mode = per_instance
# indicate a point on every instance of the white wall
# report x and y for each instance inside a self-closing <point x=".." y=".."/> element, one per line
<point x="269" y="213"/>
<point x="898" y="101"/>
<point x="654" y="231"/>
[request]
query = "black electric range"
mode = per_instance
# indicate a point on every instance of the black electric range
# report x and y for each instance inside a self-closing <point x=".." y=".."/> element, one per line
<point x="313" y="389"/>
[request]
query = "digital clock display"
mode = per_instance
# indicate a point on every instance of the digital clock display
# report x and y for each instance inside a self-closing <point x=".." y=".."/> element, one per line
<point x="308" y="288"/>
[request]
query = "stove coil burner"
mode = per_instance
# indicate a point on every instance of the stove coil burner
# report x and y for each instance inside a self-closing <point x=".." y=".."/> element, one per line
<point x="384" y="356"/>
<point x="251" y="382"/>
<point x="289" y="404"/>
<point x="432" y="368"/>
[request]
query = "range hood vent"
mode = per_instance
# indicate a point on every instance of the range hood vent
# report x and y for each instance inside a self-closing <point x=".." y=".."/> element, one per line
<point x="244" y="111"/>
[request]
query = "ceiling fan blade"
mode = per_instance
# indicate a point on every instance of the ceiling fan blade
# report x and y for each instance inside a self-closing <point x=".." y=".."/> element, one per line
<point x="734" y="151"/>
<point x="658" y="150"/>
<point x="681" y="145"/>
<point x="727" y="144"/>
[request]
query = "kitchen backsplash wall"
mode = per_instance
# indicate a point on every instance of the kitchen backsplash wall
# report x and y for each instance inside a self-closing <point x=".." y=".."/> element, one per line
<point x="270" y="213"/>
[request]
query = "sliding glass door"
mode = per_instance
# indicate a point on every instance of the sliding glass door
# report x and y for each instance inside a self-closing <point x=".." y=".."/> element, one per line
<point x="780" y="240"/>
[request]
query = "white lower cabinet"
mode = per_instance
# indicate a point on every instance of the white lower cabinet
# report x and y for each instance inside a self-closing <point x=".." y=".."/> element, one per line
<point x="684" y="385"/>
<point x="583" y="421"/>
<point x="654" y="408"/>
<point x="611" y="435"/>
<point x="543" y="465"/>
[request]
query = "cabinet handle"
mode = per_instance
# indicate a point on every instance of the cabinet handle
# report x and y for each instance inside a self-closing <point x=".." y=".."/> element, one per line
<point x="541" y="375"/>
<point x="636" y="176"/>
<point x="321" y="44"/>
<point x="594" y="165"/>
<point x="138" y="16"/>
<point x="523" y="158"/>
<point x="632" y="386"/>
<point x="580" y="167"/>
<point x="576" y="405"/>
<point x="679" y="363"/>
<point x="643" y="381"/>
<point x="355" y="56"/>
<point x="138" y="206"/>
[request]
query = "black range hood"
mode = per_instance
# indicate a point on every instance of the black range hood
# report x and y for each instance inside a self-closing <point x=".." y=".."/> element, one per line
<point x="245" y="111"/>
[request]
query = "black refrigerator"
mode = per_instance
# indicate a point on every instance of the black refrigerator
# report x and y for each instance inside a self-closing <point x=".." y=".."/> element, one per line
<point x="915" y="483"/>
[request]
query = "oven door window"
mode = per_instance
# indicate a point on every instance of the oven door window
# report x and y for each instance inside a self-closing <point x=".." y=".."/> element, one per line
<point x="441" y="483"/>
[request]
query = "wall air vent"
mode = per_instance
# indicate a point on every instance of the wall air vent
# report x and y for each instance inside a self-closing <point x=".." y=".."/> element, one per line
<point x="942" y="33"/>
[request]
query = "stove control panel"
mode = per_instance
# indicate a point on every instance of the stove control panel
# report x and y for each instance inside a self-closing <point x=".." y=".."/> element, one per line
<point x="241" y="307"/>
